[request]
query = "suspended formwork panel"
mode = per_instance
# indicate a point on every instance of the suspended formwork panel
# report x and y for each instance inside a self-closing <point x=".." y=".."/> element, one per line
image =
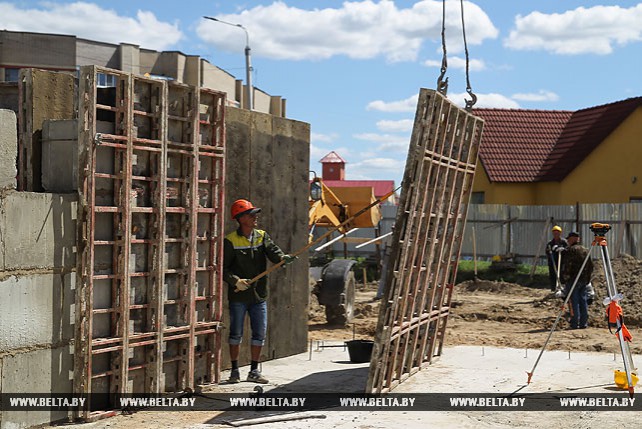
<point x="427" y="240"/>
<point x="149" y="302"/>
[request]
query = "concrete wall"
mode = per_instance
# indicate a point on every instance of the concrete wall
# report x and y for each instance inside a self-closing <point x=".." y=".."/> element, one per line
<point x="8" y="149"/>
<point x="90" y="52"/>
<point x="21" y="49"/>
<point x="267" y="162"/>
<point x="216" y="78"/>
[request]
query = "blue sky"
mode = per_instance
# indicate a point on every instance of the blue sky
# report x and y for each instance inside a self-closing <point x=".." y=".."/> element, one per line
<point x="353" y="69"/>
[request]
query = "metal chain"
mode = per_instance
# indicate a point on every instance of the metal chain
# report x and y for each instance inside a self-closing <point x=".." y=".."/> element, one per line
<point x="442" y="84"/>
<point x="469" y="103"/>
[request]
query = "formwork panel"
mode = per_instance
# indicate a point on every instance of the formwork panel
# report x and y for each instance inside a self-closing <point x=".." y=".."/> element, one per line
<point x="426" y="244"/>
<point x="149" y="298"/>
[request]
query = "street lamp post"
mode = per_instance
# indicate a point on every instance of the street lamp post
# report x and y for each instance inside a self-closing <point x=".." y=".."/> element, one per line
<point x="248" y="61"/>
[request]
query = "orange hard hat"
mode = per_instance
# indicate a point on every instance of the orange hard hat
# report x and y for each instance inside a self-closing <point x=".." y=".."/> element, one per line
<point x="240" y="207"/>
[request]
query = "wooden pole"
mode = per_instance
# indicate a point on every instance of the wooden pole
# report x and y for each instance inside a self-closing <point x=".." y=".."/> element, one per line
<point x="475" y="252"/>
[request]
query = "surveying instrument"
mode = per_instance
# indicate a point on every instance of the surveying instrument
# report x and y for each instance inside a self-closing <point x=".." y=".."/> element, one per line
<point x="613" y="308"/>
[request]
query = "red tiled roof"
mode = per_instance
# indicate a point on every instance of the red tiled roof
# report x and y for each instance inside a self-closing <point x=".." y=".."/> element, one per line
<point x="332" y="157"/>
<point x="380" y="187"/>
<point x="516" y="142"/>
<point x="521" y="145"/>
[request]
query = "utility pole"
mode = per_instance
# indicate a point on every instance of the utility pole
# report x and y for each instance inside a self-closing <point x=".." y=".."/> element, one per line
<point x="249" y="90"/>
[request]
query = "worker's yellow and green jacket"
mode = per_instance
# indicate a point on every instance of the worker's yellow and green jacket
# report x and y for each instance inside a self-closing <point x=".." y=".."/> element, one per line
<point x="245" y="258"/>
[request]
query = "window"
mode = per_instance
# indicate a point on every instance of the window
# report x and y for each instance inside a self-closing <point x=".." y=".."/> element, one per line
<point x="106" y="80"/>
<point x="11" y="75"/>
<point x="477" y="198"/>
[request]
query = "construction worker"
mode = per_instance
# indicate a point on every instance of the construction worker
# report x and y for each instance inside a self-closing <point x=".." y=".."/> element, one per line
<point x="572" y="259"/>
<point x="556" y="245"/>
<point x="246" y="251"/>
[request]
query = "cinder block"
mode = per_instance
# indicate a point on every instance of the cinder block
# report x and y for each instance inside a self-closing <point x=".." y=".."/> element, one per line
<point x="38" y="230"/>
<point x="8" y="149"/>
<point x="60" y="129"/>
<point x="37" y="371"/>
<point x="36" y="310"/>
<point x="60" y="154"/>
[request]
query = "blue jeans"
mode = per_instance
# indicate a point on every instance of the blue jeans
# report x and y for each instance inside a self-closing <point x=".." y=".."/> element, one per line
<point x="258" y="321"/>
<point x="580" y="307"/>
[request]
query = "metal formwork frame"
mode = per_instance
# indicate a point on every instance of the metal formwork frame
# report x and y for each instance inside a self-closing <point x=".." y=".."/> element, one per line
<point x="427" y="240"/>
<point x="149" y="303"/>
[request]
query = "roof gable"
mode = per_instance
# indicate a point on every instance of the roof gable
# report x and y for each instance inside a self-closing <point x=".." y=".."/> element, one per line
<point x="332" y="158"/>
<point x="585" y="130"/>
<point x="520" y="145"/>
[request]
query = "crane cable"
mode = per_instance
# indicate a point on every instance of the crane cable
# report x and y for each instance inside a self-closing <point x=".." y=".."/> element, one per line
<point x="442" y="84"/>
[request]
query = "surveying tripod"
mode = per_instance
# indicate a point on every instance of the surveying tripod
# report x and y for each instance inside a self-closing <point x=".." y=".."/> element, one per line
<point x="613" y="309"/>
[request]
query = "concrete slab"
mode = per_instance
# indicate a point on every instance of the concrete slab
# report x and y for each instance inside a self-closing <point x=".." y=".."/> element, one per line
<point x="38" y="231"/>
<point x="469" y="369"/>
<point x="37" y="371"/>
<point x="35" y="310"/>
<point x="8" y="149"/>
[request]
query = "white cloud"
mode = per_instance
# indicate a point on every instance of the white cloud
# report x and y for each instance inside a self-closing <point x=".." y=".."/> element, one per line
<point x="376" y="169"/>
<point x="316" y="153"/>
<point x="591" y="30"/>
<point x="378" y="138"/>
<point x="400" y="146"/>
<point x="400" y="126"/>
<point x="458" y="63"/>
<point x="324" y="138"/>
<point x="358" y="29"/>
<point x="407" y="105"/>
<point x="90" y="21"/>
<point x="389" y="142"/>
<point x="490" y="100"/>
<point x="541" y="95"/>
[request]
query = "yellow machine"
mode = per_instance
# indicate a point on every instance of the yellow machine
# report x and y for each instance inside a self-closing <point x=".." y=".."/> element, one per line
<point x="330" y="207"/>
<point x="334" y="283"/>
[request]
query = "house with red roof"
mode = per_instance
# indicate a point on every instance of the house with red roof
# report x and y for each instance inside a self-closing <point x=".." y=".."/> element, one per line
<point x="333" y="175"/>
<point x="542" y="157"/>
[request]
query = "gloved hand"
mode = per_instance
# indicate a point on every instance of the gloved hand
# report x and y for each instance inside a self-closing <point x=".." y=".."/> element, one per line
<point x="241" y="285"/>
<point x="288" y="259"/>
<point x="558" y="248"/>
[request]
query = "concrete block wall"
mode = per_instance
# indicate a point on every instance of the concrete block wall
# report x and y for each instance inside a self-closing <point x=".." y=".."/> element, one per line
<point x="37" y="290"/>
<point x="37" y="287"/>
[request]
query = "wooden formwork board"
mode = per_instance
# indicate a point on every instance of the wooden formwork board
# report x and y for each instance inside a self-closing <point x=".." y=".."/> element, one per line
<point x="151" y="199"/>
<point x="427" y="240"/>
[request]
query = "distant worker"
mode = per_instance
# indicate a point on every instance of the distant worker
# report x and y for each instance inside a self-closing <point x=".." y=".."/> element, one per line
<point x="246" y="251"/>
<point x="553" y="249"/>
<point x="572" y="259"/>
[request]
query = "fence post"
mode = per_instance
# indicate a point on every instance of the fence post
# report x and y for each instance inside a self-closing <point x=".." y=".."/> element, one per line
<point x="540" y="245"/>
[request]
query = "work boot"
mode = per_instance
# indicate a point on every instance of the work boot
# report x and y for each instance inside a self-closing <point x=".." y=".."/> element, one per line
<point x="235" y="376"/>
<point x="255" y="376"/>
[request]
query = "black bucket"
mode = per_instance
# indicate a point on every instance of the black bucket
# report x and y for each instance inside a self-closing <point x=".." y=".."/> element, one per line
<point x="360" y="351"/>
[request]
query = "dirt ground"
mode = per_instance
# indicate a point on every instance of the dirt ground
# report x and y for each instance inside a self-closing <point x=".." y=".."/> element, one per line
<point x="510" y="315"/>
